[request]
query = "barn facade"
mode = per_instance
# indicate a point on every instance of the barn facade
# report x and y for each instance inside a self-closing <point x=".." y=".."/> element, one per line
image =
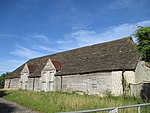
<point x="111" y="66"/>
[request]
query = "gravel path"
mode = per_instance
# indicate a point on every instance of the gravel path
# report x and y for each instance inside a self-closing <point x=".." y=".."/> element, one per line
<point x="11" y="107"/>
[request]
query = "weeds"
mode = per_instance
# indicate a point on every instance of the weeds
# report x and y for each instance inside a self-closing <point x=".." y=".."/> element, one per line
<point x="51" y="102"/>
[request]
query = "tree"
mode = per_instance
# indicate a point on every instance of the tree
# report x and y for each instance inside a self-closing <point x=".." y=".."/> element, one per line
<point x="143" y="42"/>
<point x="2" y="79"/>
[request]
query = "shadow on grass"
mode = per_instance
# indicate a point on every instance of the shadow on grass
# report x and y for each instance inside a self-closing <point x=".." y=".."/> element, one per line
<point x="6" y="108"/>
<point x="2" y="93"/>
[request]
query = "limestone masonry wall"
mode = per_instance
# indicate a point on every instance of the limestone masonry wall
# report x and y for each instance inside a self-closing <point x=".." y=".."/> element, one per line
<point x="12" y="83"/>
<point x="142" y="79"/>
<point x="93" y="83"/>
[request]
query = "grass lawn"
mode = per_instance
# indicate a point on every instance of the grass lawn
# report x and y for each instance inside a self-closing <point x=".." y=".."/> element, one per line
<point x="51" y="102"/>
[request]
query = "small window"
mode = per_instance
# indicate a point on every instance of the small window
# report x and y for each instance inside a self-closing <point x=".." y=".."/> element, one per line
<point x="43" y="81"/>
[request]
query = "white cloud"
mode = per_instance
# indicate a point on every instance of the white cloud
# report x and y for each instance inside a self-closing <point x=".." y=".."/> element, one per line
<point x="40" y="37"/>
<point x="77" y="38"/>
<point x="21" y="6"/>
<point x="119" y="4"/>
<point x="47" y="49"/>
<point x="143" y="23"/>
<point x="26" y="4"/>
<point x="87" y="37"/>
<point x="25" y="52"/>
<point x="7" y="35"/>
<point x="9" y="65"/>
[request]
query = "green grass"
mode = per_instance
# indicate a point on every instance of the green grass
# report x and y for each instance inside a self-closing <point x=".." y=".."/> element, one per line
<point x="50" y="102"/>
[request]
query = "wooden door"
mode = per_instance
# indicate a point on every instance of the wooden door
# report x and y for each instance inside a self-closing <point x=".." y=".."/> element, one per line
<point x="44" y="82"/>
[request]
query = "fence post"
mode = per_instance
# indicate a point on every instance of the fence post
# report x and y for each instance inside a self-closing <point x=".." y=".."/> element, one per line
<point x="114" y="110"/>
<point x="139" y="109"/>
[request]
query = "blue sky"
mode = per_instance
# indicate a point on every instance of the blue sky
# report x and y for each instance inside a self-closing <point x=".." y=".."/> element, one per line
<point x="32" y="28"/>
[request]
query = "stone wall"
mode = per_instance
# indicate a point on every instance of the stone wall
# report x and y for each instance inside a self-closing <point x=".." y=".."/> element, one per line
<point x="37" y="84"/>
<point x="30" y="83"/>
<point x="34" y="84"/>
<point x="142" y="77"/>
<point x="12" y="83"/>
<point x="24" y="83"/>
<point x="7" y="83"/>
<point x="117" y="88"/>
<point x="117" y="85"/>
<point x="142" y="72"/>
<point x="129" y="79"/>
<point x="93" y="83"/>
<point x="57" y="83"/>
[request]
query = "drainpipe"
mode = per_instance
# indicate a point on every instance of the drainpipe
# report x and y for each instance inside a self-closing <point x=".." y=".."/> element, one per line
<point x="33" y="83"/>
<point x="123" y="81"/>
<point x="9" y="83"/>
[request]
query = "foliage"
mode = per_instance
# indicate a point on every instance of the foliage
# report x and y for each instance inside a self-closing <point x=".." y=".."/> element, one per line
<point x="51" y="102"/>
<point x="108" y="94"/>
<point x="125" y="85"/>
<point x="143" y="40"/>
<point x="2" y="80"/>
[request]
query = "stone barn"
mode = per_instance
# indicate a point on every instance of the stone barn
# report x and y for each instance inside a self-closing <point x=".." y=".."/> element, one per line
<point x="96" y="69"/>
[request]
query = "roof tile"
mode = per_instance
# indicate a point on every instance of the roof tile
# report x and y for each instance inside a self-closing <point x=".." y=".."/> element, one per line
<point x="114" y="55"/>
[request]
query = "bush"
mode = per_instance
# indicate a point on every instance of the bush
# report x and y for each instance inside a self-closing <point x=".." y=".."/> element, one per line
<point x="2" y="80"/>
<point x="143" y="42"/>
<point x="108" y="94"/>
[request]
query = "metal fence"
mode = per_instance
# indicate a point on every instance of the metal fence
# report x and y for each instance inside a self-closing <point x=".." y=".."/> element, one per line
<point x="138" y="108"/>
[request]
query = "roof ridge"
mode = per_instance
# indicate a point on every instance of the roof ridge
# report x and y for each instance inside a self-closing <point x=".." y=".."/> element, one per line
<point x="128" y="37"/>
<point x="111" y="55"/>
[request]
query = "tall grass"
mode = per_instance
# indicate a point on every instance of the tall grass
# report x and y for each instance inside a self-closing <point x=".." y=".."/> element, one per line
<point x="51" y="102"/>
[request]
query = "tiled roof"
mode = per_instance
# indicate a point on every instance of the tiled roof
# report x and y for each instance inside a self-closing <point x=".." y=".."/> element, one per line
<point x="57" y="64"/>
<point x="31" y="67"/>
<point x="114" y="55"/>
